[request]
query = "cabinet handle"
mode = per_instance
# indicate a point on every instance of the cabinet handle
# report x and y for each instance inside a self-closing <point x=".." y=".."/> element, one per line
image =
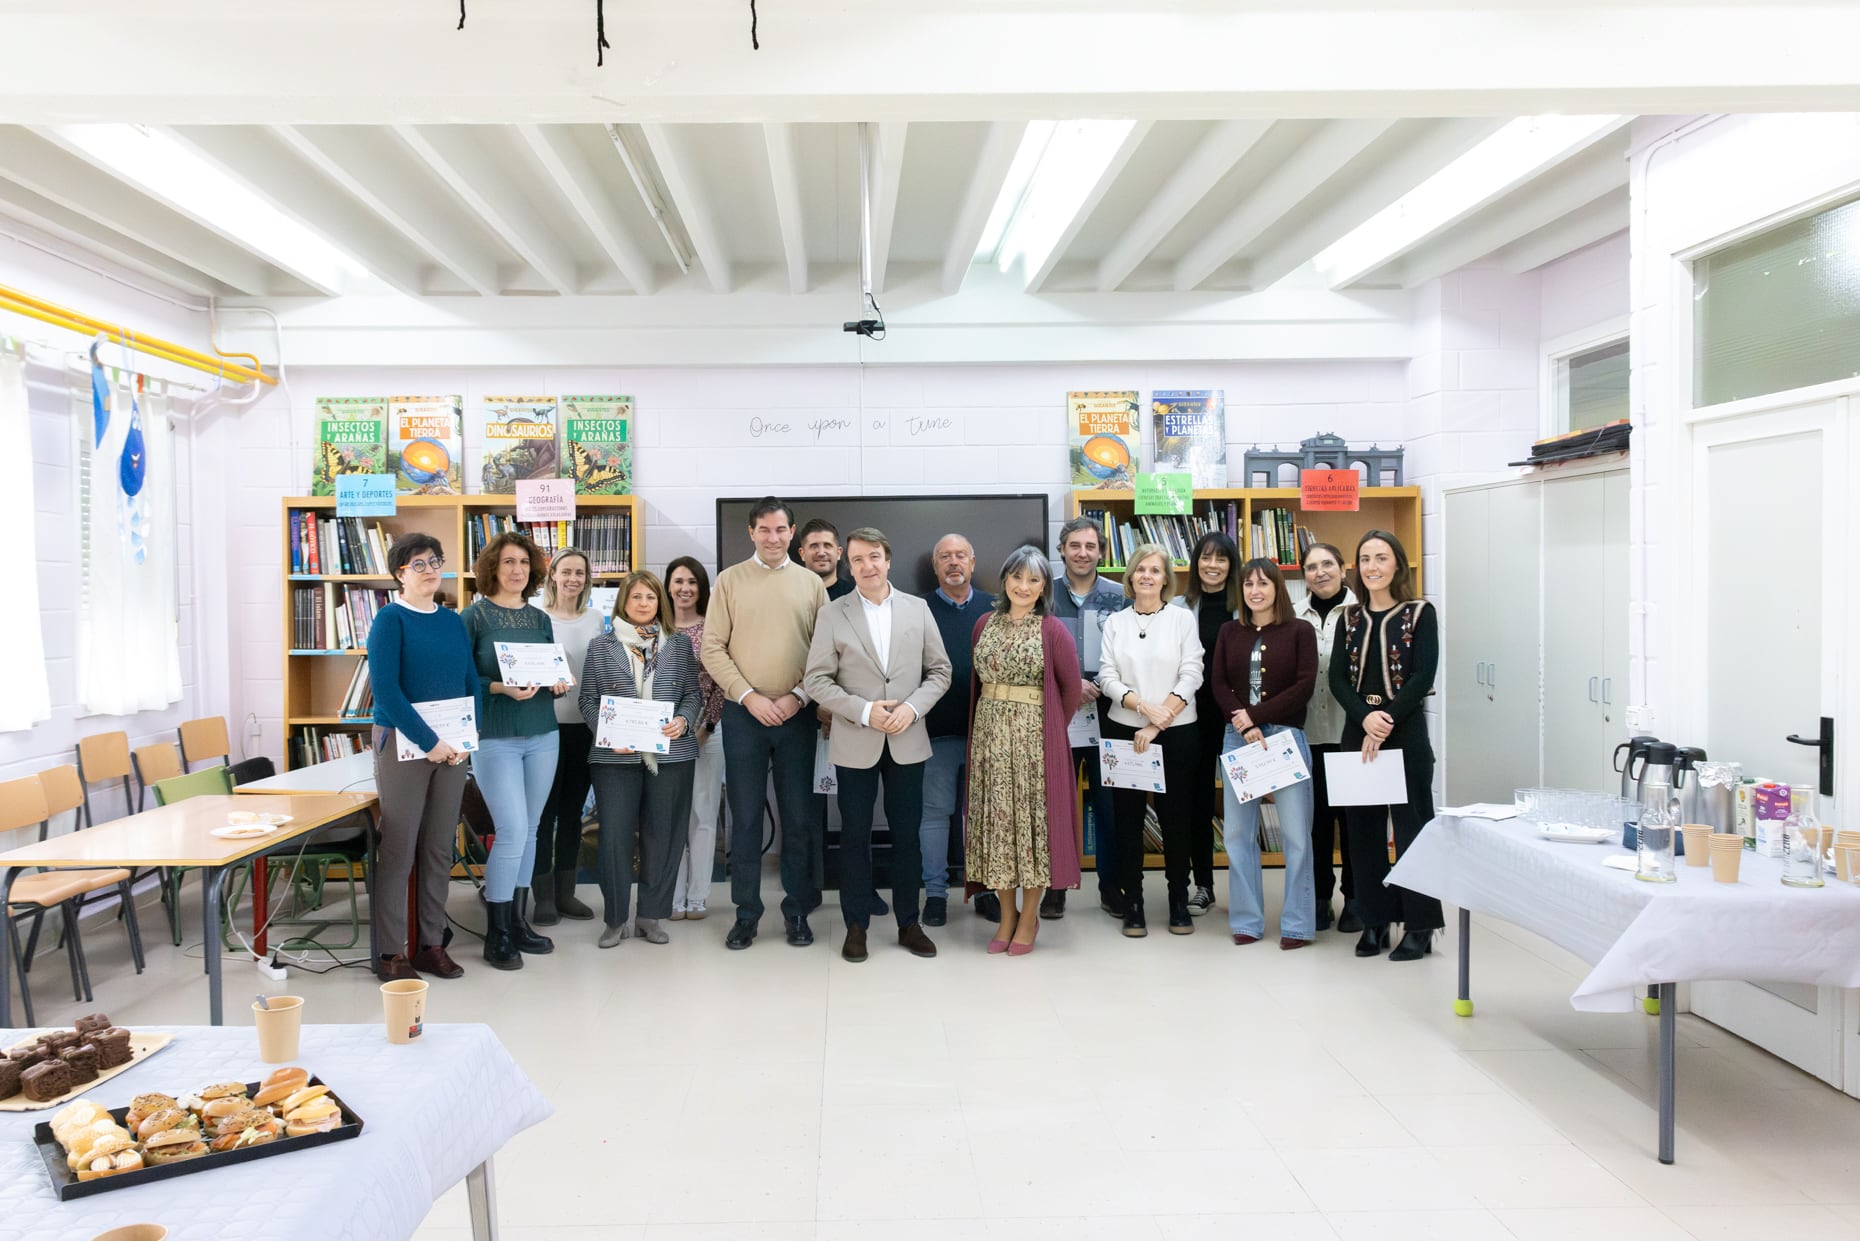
<point x="1606" y="682"/>
<point x="1592" y="684"/>
<point x="1491" y="676"/>
<point x="1479" y="673"/>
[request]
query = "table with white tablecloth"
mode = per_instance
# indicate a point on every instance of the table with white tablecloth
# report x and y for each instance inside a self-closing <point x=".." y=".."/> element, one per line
<point x="434" y="1113"/>
<point x="1633" y="933"/>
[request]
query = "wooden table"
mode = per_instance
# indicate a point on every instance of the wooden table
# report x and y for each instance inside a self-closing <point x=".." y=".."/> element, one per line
<point x="352" y="773"/>
<point x="178" y="835"/>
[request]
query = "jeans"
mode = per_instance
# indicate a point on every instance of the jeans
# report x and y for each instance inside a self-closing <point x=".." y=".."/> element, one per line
<point x="751" y="749"/>
<point x="693" y="886"/>
<point x="904" y="810"/>
<point x="943" y="780"/>
<point x="1104" y="815"/>
<point x="1246" y="903"/>
<point x="558" y="832"/>
<point x="515" y="774"/>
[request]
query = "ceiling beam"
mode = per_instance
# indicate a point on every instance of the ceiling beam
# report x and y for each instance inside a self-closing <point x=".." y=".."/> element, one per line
<point x="1585" y="226"/>
<point x="887" y="173"/>
<point x="785" y="181"/>
<point x="1541" y="203"/>
<point x="257" y="160"/>
<point x="1277" y="194"/>
<point x="1036" y="279"/>
<point x="575" y="175"/>
<point x="77" y="185"/>
<point x="688" y="201"/>
<point x="978" y="200"/>
<point x="63" y="226"/>
<point x="1214" y="157"/>
<point x="1438" y="145"/>
<point x="363" y="162"/>
<point x="489" y="188"/>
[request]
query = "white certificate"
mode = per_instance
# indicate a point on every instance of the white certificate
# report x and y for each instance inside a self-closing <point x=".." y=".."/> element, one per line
<point x="1123" y="768"/>
<point x="1349" y="781"/>
<point x="1082" y="729"/>
<point x="532" y="663"/>
<point x="634" y="724"/>
<point x="454" y="719"/>
<point x="826" y="780"/>
<point x="1252" y="771"/>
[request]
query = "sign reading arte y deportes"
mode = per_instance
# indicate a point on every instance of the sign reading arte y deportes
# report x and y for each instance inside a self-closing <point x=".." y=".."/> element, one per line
<point x="364" y="495"/>
<point x="1334" y="491"/>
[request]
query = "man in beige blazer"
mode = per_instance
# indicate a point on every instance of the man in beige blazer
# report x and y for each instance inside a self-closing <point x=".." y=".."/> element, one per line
<point x="877" y="663"/>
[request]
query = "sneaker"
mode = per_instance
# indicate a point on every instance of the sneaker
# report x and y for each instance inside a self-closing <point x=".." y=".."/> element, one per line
<point x="696" y="913"/>
<point x="1200" y="900"/>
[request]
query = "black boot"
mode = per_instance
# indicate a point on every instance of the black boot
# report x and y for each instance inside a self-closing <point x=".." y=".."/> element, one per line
<point x="1374" y="943"/>
<point x="1134" y="926"/>
<point x="500" y="950"/>
<point x="545" y="912"/>
<point x="527" y="940"/>
<point x="565" y="897"/>
<point x="1180" y="923"/>
<point x="1414" y="945"/>
<point x="1350" y="921"/>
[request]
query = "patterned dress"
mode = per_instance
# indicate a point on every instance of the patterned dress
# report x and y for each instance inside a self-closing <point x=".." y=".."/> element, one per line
<point x="1007" y="838"/>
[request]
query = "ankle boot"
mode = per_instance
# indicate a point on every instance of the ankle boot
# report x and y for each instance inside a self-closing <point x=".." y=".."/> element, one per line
<point x="565" y="897"/>
<point x="527" y="940"/>
<point x="1374" y="943"/>
<point x="1180" y="923"/>
<point x="1134" y="925"/>
<point x="1414" y="945"/>
<point x="500" y="950"/>
<point x="545" y="913"/>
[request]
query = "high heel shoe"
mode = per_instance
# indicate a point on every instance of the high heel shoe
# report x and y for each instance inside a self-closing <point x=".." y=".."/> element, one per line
<point x="997" y="945"/>
<point x="1414" y="945"/>
<point x="1374" y="943"/>
<point x="1018" y="949"/>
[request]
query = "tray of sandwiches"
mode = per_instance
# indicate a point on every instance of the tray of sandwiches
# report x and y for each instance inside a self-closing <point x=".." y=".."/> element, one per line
<point x="58" y="1065"/>
<point x="89" y="1149"/>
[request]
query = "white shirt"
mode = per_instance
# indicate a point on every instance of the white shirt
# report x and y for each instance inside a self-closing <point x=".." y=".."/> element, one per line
<point x="878" y="624"/>
<point x="1152" y="657"/>
<point x="1324" y="717"/>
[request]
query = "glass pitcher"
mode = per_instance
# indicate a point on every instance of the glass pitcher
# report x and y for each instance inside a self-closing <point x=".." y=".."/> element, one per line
<point x="1659" y="823"/>
<point x="1802" y="840"/>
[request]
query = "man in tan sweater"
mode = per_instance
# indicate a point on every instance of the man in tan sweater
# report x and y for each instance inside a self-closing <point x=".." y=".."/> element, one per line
<point x="756" y="635"/>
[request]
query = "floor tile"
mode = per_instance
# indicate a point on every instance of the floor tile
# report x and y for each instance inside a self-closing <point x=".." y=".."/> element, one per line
<point x="1472" y="1120"/>
<point x="1535" y="1176"/>
<point x="1378" y="1179"/>
<point x="1592" y="1224"/>
<point x="1418" y="1225"/>
<point x="1797" y="1223"/>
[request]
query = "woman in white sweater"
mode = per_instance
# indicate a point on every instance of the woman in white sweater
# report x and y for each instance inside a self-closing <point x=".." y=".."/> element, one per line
<point x="1149" y="668"/>
<point x="558" y="835"/>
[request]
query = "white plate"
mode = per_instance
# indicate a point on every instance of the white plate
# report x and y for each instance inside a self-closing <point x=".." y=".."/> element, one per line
<point x="243" y="831"/>
<point x="1565" y="834"/>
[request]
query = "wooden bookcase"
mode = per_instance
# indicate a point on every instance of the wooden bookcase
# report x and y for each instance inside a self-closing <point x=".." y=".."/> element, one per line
<point x="316" y="679"/>
<point x="1395" y="509"/>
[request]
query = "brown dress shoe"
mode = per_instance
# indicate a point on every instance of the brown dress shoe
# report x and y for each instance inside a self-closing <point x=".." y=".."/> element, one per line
<point x="394" y="969"/>
<point x="1288" y="943"/>
<point x="913" y="938"/>
<point x="854" y="947"/>
<point x="434" y="960"/>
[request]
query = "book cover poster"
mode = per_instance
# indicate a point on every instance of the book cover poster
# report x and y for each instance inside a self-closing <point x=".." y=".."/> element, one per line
<point x="598" y="434"/>
<point x="351" y="438"/>
<point x="1191" y="435"/>
<point x="519" y="441"/>
<point x="426" y="444"/>
<point x="1106" y="439"/>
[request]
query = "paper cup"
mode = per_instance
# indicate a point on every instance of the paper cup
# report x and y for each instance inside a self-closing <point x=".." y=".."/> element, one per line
<point x="405" y="1003"/>
<point x="135" y="1232"/>
<point x="1847" y="863"/>
<point x="1727" y="857"/>
<point x="278" y="1028"/>
<point x="1698" y="836"/>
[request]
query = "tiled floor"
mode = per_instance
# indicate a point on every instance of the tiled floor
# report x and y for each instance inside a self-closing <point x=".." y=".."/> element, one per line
<point x="1166" y="1089"/>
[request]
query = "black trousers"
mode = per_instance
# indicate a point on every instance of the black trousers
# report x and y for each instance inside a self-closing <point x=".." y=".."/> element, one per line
<point x="1175" y="809"/>
<point x="1379" y="904"/>
<point x="1209" y="727"/>
<point x="645" y="811"/>
<point x="1328" y="834"/>
<point x="904" y="815"/>
<point x="558" y="835"/>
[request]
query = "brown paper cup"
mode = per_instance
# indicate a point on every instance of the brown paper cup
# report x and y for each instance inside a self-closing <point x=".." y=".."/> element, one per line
<point x="135" y="1232"/>
<point x="278" y="1028"/>
<point x="1846" y="862"/>
<point x="405" y="1003"/>
<point x="1726" y="859"/>
<point x="1698" y="837"/>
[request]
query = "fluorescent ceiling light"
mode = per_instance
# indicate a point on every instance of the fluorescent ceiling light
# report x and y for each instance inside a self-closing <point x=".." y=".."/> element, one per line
<point x="1014" y="188"/>
<point x="1516" y="153"/>
<point x="1058" y="165"/>
<point x="196" y="187"/>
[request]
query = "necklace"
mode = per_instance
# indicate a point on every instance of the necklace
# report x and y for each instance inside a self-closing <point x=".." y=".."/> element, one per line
<point x="1143" y="630"/>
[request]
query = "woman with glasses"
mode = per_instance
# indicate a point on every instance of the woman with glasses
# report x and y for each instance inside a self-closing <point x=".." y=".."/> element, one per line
<point x="418" y="652"/>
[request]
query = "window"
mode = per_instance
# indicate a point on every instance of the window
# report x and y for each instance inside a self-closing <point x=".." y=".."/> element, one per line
<point x="1592" y="387"/>
<point x="1779" y="310"/>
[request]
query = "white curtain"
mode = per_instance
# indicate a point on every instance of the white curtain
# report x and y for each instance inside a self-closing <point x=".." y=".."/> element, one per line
<point x="128" y="638"/>
<point x="28" y="698"/>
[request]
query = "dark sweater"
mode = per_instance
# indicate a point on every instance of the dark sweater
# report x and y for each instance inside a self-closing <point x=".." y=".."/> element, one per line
<point x="950" y="716"/>
<point x="1287" y="674"/>
<point x="1212" y="614"/>
<point x="418" y="657"/>
<point x="1398" y="666"/>
<point x="487" y="624"/>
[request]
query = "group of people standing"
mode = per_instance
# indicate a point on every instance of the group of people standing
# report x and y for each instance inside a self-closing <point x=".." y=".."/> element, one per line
<point x="955" y="699"/>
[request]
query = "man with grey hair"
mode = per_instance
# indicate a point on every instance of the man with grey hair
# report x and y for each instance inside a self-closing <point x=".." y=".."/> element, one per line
<point x="956" y="605"/>
<point x="1082" y="600"/>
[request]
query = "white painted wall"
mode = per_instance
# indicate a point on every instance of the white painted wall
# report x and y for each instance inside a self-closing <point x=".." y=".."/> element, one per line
<point x="1587" y="288"/>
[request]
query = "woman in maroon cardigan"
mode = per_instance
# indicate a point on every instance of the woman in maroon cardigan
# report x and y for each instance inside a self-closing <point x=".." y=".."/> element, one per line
<point x="1023" y="831"/>
<point x="1265" y="670"/>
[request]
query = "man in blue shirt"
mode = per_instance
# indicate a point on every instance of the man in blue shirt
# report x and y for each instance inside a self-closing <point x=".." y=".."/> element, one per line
<point x="956" y="605"/>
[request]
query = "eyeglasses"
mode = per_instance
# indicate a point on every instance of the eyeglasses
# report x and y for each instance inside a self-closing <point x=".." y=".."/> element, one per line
<point x="427" y="566"/>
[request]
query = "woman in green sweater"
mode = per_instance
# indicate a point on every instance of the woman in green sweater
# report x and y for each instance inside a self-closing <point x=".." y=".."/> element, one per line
<point x="515" y="764"/>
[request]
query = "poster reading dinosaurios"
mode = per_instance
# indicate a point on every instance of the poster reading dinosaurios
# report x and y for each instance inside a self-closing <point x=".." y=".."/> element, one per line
<point x="425" y="444"/>
<point x="519" y="441"/>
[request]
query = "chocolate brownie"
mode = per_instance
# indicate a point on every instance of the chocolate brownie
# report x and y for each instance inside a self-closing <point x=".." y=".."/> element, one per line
<point x="44" y="1082"/>
<point x="9" y="1078"/>
<point x="95" y="1021"/>
<point x="58" y="1041"/>
<point x="112" y="1047"/>
<point x="26" y="1057"/>
<point x="84" y="1060"/>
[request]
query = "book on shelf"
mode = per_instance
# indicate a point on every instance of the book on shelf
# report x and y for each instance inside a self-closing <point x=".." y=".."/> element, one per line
<point x="598" y="442"/>
<point x="519" y="442"/>
<point x="351" y="438"/>
<point x="607" y="537"/>
<point x="324" y="544"/>
<point x="1176" y="533"/>
<point x="1278" y="537"/>
<point x="358" y="700"/>
<point x="1107" y="439"/>
<point x="311" y="744"/>
<point x="326" y="616"/>
<point x="1191" y="434"/>
<point x="426" y="442"/>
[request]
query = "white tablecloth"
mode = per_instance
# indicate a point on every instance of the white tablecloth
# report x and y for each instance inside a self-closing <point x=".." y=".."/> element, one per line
<point x="1638" y="933"/>
<point x="432" y="1112"/>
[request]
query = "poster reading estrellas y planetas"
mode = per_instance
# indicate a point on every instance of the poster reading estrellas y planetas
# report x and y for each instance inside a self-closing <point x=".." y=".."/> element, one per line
<point x="1191" y="435"/>
<point x="426" y="442"/>
<point x="351" y="438"/>
<point x="598" y="440"/>
<point x="1107" y="441"/>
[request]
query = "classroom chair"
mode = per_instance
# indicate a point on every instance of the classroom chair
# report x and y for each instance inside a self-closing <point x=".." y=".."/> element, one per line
<point x="204" y="783"/>
<point x="203" y="739"/>
<point x="152" y="763"/>
<point x="344" y="844"/>
<point x="101" y="758"/>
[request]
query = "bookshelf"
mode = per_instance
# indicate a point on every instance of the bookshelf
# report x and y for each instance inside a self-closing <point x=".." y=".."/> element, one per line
<point x="321" y="661"/>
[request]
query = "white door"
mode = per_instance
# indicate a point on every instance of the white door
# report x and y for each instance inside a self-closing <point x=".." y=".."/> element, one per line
<point x="1512" y="672"/>
<point x="1614" y="616"/>
<point x="1465" y="625"/>
<point x="1574" y="544"/>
